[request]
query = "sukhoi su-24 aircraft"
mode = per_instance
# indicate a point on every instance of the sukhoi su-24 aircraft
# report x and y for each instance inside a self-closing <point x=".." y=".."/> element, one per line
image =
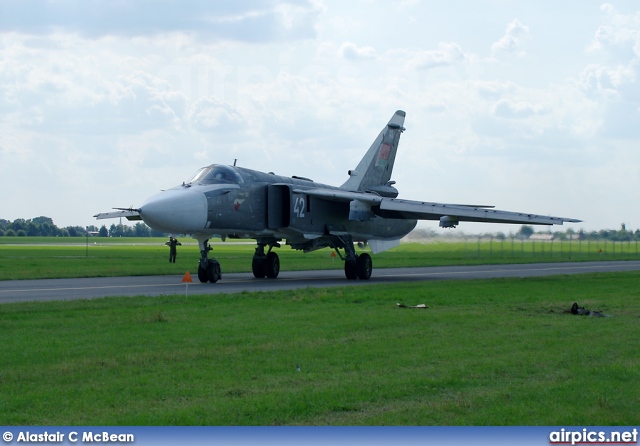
<point x="237" y="203"/>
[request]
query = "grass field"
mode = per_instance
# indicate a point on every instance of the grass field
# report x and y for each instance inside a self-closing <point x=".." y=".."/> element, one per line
<point x="57" y="257"/>
<point x="490" y="352"/>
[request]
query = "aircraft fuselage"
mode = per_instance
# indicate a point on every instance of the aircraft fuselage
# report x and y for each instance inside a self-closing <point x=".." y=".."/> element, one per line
<point x="255" y="205"/>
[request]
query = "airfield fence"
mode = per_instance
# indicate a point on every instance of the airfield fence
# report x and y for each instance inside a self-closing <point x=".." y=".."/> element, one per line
<point x="483" y="247"/>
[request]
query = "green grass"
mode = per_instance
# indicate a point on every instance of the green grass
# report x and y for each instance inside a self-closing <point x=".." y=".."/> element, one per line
<point x="490" y="352"/>
<point x="130" y="256"/>
<point x="80" y="241"/>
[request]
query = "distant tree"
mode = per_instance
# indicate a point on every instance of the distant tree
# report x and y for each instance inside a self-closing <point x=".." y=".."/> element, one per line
<point x="114" y="231"/>
<point x="18" y="224"/>
<point x="21" y="233"/>
<point x="103" y="231"/>
<point x="559" y="235"/>
<point x="156" y="233"/>
<point x="42" y="220"/>
<point x="525" y="232"/>
<point x="32" y="229"/>
<point x="47" y="230"/>
<point x="622" y="235"/>
<point x="141" y="230"/>
<point x="9" y="233"/>
<point x="604" y="234"/>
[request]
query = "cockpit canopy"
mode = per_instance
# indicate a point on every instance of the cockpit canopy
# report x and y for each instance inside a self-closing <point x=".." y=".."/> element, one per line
<point x="216" y="174"/>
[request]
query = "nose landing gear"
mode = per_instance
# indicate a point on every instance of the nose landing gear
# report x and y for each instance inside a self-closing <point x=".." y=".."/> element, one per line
<point x="208" y="269"/>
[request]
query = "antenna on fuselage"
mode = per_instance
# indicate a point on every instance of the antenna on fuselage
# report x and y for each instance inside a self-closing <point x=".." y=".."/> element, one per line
<point x="234" y="162"/>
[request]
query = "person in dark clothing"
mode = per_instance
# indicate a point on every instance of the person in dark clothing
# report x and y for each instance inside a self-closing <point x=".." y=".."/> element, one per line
<point x="172" y="243"/>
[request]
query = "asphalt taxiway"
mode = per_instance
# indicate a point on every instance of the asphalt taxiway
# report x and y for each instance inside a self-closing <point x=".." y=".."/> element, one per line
<point x="72" y="289"/>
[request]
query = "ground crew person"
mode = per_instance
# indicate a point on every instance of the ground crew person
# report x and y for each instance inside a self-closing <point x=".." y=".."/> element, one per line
<point x="172" y="243"/>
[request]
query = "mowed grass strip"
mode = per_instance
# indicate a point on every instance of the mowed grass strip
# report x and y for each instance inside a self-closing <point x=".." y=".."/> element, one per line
<point x="489" y="352"/>
<point x="113" y="257"/>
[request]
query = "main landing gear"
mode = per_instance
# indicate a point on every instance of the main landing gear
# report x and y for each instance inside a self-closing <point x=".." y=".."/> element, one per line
<point x="208" y="269"/>
<point x="266" y="265"/>
<point x="355" y="266"/>
<point x="263" y="264"/>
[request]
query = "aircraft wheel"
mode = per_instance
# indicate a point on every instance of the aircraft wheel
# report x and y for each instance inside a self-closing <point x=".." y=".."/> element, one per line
<point x="272" y="265"/>
<point x="364" y="266"/>
<point x="259" y="267"/>
<point x="213" y="271"/>
<point x="203" y="275"/>
<point x="350" y="269"/>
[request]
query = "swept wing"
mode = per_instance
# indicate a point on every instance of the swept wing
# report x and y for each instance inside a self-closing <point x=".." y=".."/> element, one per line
<point x="448" y="214"/>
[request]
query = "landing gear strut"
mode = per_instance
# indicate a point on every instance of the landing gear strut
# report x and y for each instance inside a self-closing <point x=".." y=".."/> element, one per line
<point x="266" y="265"/>
<point x="208" y="269"/>
<point x="355" y="266"/>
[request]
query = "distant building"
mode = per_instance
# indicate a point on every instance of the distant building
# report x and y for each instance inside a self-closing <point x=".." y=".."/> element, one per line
<point x="542" y="237"/>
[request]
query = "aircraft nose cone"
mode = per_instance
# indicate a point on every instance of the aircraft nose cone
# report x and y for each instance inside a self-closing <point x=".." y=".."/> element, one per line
<point x="177" y="211"/>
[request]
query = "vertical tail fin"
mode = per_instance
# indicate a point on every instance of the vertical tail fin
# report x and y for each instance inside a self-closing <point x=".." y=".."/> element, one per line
<point x="374" y="170"/>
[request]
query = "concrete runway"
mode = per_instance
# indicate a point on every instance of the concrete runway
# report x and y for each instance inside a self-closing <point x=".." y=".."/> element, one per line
<point x="70" y="289"/>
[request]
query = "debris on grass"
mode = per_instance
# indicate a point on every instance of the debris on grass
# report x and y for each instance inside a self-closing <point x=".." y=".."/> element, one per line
<point x="412" y="306"/>
<point x="581" y="311"/>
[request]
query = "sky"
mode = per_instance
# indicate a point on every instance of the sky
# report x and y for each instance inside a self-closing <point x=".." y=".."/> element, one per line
<point x="530" y="106"/>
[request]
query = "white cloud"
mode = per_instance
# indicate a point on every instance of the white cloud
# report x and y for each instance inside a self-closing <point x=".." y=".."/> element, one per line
<point x="521" y="109"/>
<point x="596" y="79"/>
<point x="447" y="54"/>
<point x="251" y="21"/>
<point x="619" y="36"/>
<point x="212" y="115"/>
<point x="513" y="40"/>
<point x="614" y="82"/>
<point x="351" y="51"/>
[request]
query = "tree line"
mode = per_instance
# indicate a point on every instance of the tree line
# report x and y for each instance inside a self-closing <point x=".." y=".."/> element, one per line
<point x="44" y="227"/>
<point x="619" y="235"/>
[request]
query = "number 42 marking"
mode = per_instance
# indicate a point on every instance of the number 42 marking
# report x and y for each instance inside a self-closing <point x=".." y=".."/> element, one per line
<point x="298" y="207"/>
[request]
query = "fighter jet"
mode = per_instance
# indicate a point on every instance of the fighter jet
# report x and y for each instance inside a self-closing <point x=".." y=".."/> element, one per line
<point x="237" y="203"/>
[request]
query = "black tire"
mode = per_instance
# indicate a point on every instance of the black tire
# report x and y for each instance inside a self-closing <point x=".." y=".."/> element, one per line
<point x="203" y="275"/>
<point x="350" y="269"/>
<point x="364" y="266"/>
<point x="272" y="265"/>
<point x="259" y="267"/>
<point x="213" y="271"/>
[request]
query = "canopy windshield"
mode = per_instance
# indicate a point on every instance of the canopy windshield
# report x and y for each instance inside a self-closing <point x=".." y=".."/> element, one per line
<point x="216" y="174"/>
